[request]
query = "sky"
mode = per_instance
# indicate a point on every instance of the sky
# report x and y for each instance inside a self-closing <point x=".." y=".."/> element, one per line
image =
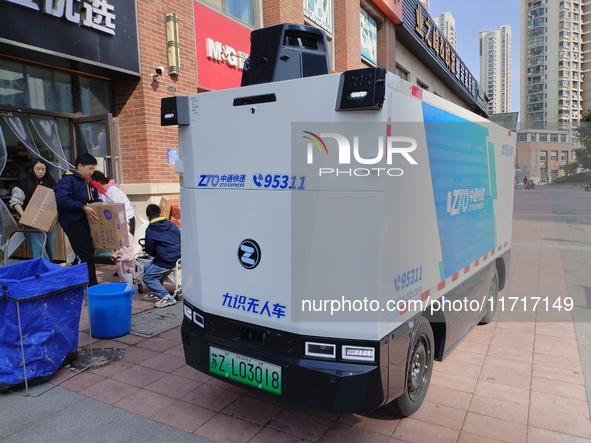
<point x="473" y="16"/>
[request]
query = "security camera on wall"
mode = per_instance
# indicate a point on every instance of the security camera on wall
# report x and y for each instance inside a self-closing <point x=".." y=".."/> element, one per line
<point x="159" y="71"/>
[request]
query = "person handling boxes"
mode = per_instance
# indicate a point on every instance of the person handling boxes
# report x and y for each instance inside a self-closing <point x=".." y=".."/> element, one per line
<point x="37" y="175"/>
<point x="163" y="243"/>
<point x="73" y="195"/>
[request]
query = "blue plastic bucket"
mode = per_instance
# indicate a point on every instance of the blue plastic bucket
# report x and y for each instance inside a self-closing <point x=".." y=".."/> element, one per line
<point x="109" y="307"/>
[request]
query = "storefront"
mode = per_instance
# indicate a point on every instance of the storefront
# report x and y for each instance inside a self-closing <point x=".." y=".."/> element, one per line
<point x="58" y="63"/>
<point x="222" y="47"/>
<point x="56" y="83"/>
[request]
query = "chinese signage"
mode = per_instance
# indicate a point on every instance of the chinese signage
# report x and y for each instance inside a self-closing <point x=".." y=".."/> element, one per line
<point x="320" y="12"/>
<point x="369" y="37"/>
<point x="420" y="35"/>
<point x="95" y="14"/>
<point x="222" y="48"/>
<point x="428" y="31"/>
<point x="98" y="33"/>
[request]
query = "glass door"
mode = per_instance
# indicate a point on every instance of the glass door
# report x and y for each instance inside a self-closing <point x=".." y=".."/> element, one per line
<point x="94" y="135"/>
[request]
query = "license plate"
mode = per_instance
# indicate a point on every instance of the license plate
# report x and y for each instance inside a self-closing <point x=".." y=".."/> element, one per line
<point x="248" y="370"/>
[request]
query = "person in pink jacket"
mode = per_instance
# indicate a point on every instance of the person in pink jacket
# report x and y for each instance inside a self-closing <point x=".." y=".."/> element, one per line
<point x="123" y="259"/>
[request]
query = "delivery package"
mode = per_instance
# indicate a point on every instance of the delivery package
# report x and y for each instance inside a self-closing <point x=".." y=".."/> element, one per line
<point x="110" y="230"/>
<point x="166" y="204"/>
<point x="41" y="212"/>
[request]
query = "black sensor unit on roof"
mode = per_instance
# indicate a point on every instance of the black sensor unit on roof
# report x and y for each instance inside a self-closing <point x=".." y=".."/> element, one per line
<point x="285" y="52"/>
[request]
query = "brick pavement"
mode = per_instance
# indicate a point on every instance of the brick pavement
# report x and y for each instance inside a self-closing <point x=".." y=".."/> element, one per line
<point x="506" y="382"/>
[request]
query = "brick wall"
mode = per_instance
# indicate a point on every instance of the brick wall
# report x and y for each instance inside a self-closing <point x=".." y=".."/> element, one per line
<point x="276" y="12"/>
<point x="347" y="35"/>
<point x="142" y="141"/>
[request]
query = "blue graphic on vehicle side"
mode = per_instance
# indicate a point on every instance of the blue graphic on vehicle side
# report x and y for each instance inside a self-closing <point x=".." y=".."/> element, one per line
<point x="460" y="158"/>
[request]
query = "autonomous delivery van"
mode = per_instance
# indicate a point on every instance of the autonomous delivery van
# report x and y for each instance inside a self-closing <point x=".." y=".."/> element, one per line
<point x="340" y="231"/>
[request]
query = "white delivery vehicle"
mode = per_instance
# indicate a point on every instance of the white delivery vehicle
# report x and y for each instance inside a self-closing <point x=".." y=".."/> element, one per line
<point x="340" y="231"/>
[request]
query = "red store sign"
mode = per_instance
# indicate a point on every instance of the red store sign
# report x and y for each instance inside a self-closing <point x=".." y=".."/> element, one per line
<point x="222" y="47"/>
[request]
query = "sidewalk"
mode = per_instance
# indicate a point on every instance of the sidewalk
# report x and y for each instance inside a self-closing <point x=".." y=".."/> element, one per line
<point x="506" y="382"/>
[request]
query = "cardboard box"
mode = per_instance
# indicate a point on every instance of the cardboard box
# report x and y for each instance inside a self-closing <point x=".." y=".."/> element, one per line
<point x="110" y="231"/>
<point x="166" y="204"/>
<point x="41" y="212"/>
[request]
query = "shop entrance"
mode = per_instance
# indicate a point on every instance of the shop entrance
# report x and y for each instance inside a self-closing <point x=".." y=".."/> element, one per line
<point x="94" y="135"/>
<point x="55" y="139"/>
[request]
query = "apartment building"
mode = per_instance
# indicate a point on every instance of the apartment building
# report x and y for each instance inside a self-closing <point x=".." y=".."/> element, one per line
<point x="495" y="68"/>
<point x="447" y="24"/>
<point x="551" y="56"/>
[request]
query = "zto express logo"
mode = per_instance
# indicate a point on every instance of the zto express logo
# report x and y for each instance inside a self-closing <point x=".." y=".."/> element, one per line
<point x="249" y="254"/>
<point x="393" y="146"/>
<point x="460" y="201"/>
<point x="108" y="215"/>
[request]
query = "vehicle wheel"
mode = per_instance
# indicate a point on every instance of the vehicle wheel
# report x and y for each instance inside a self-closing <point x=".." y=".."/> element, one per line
<point x="140" y="288"/>
<point x="419" y="369"/>
<point x="493" y="294"/>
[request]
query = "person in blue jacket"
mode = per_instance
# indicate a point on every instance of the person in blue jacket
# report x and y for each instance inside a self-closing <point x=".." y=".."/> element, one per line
<point x="73" y="194"/>
<point x="163" y="243"/>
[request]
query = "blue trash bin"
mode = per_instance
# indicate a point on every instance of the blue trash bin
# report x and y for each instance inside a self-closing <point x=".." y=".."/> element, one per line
<point x="48" y="298"/>
<point x="109" y="307"/>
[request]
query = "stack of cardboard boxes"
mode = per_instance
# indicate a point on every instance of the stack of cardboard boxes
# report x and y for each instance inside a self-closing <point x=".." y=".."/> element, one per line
<point x="109" y="232"/>
<point x="170" y="207"/>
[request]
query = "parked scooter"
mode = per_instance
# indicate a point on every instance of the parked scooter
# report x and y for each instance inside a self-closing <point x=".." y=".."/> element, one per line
<point x="531" y="185"/>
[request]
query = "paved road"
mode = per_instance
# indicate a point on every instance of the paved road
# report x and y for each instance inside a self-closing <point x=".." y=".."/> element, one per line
<point x="509" y="382"/>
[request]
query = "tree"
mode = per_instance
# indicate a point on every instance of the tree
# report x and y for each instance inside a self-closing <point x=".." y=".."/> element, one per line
<point x="583" y="134"/>
<point x="570" y="168"/>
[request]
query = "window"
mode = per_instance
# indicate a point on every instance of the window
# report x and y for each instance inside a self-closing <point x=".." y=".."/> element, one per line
<point x="243" y="10"/>
<point x="521" y="137"/>
<point x="535" y="107"/>
<point x="369" y="39"/>
<point x="401" y="72"/>
<point x="563" y="138"/>
<point x="422" y="85"/>
<point x="543" y="138"/>
<point x="95" y="96"/>
<point x="554" y="138"/>
<point x="14" y="87"/>
<point x="535" y="98"/>
<point x="35" y="87"/>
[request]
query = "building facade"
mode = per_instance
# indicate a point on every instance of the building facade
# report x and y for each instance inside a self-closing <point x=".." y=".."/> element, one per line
<point x="495" y="68"/>
<point x="541" y="154"/>
<point x="447" y="25"/>
<point x="551" y="80"/>
<point x="90" y="76"/>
